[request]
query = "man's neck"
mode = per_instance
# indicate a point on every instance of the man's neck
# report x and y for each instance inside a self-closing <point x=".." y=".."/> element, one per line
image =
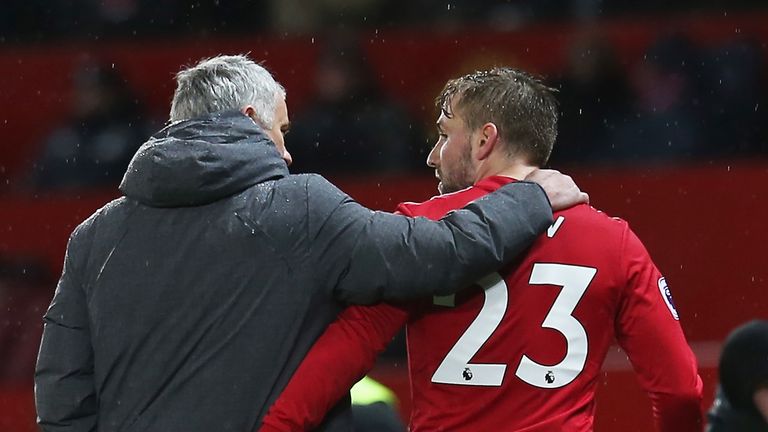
<point x="504" y="167"/>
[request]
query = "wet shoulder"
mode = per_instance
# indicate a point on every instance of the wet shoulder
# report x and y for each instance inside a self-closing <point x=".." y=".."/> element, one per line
<point x="105" y="219"/>
<point x="291" y="190"/>
<point x="314" y="186"/>
<point x="105" y="214"/>
<point x="437" y="206"/>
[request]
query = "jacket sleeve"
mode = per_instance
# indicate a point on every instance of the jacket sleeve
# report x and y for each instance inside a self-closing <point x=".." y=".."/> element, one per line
<point x="370" y="256"/>
<point x="649" y="332"/>
<point x="65" y="394"/>
<point x="343" y="354"/>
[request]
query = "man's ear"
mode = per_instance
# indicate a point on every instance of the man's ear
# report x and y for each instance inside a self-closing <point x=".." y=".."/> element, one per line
<point x="249" y="111"/>
<point x="487" y="140"/>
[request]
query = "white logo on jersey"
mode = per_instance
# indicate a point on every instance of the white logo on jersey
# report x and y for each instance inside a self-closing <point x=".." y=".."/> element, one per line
<point x="552" y="230"/>
<point x="667" y="296"/>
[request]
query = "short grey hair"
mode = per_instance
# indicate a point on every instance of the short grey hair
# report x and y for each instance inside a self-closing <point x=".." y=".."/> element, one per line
<point x="221" y="83"/>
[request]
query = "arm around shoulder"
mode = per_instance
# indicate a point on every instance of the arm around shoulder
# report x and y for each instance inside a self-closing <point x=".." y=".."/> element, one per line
<point x="373" y="256"/>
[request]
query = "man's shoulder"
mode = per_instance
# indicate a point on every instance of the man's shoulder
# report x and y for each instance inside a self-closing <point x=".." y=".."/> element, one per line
<point x="104" y="213"/>
<point x="437" y="206"/>
<point x="586" y="231"/>
<point x="292" y="188"/>
<point x="587" y="216"/>
<point x="311" y="195"/>
<point x="310" y="183"/>
<point x="317" y="189"/>
<point x="81" y="238"/>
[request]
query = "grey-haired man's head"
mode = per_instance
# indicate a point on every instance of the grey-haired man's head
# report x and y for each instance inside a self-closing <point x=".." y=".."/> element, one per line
<point x="228" y="83"/>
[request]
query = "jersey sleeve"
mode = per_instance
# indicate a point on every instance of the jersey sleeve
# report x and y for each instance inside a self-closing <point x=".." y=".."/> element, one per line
<point x="649" y="331"/>
<point x="342" y="355"/>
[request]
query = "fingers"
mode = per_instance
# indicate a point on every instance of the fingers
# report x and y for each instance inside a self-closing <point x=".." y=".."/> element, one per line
<point x="560" y="188"/>
<point x="541" y="175"/>
<point x="585" y="197"/>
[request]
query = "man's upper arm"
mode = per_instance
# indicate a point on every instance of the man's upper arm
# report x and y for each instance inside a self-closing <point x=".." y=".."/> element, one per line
<point x="372" y="256"/>
<point x="65" y="395"/>
<point x="649" y="331"/>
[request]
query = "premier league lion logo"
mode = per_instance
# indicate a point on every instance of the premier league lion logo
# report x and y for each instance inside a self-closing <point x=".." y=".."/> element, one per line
<point x="467" y="374"/>
<point x="549" y="377"/>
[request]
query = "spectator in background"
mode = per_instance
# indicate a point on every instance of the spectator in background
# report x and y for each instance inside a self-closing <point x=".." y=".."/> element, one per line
<point x="594" y="100"/>
<point x="666" y="123"/>
<point x="737" y="106"/>
<point x="741" y="403"/>
<point x="96" y="143"/>
<point x="351" y="125"/>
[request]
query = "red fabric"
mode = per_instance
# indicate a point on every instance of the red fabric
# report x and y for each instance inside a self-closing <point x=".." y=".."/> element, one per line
<point x="614" y="293"/>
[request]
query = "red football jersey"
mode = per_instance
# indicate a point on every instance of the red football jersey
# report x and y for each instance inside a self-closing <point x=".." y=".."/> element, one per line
<point x="521" y="350"/>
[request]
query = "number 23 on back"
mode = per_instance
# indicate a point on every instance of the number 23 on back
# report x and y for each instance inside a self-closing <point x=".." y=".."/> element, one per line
<point x="573" y="280"/>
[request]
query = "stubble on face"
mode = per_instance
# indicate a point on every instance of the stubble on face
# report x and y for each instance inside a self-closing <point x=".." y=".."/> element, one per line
<point x="458" y="174"/>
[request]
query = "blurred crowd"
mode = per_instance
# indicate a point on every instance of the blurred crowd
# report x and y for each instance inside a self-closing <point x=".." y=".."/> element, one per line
<point x="683" y="102"/>
<point x="92" y="147"/>
<point x="22" y="20"/>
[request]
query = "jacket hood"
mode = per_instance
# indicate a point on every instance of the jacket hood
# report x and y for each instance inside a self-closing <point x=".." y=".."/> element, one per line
<point x="202" y="160"/>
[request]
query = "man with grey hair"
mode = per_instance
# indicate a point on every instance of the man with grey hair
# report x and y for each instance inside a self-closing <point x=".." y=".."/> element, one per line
<point x="193" y="298"/>
<point x="230" y="83"/>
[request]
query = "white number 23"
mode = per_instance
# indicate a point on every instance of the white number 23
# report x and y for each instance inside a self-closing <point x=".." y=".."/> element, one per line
<point x="574" y="280"/>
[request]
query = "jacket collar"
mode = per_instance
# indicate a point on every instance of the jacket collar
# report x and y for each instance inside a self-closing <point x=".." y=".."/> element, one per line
<point x="202" y="160"/>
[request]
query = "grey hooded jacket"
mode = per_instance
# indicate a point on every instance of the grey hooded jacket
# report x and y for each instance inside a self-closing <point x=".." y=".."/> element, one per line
<point x="187" y="304"/>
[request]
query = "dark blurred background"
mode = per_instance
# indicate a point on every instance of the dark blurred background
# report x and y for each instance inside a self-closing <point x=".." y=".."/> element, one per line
<point x="664" y="122"/>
